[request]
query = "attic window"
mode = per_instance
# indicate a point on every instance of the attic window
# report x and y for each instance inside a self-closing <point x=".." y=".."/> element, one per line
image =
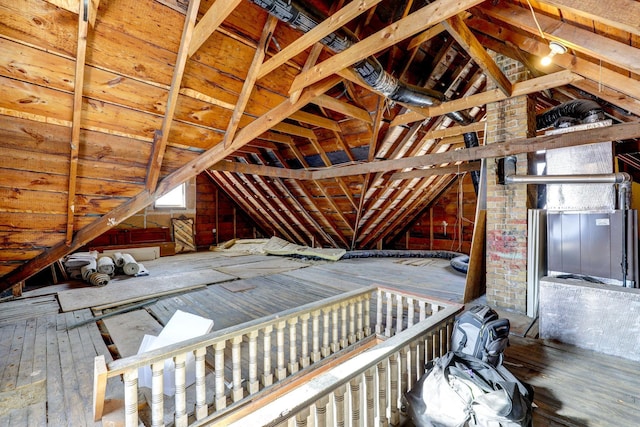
<point x="173" y="199"/>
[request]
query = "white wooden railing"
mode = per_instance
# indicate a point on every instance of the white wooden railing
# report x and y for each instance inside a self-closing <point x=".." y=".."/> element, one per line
<point x="314" y="332"/>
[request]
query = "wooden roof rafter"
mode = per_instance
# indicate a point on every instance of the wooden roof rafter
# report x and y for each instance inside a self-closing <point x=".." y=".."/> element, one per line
<point x="465" y="38"/>
<point x="210" y="22"/>
<point x="161" y="138"/>
<point x="326" y="27"/>
<point x="250" y="79"/>
<point x="310" y="199"/>
<point x="406" y="27"/>
<point x="83" y="29"/>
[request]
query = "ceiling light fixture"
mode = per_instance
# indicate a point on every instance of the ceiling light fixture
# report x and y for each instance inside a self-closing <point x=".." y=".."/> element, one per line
<point x="556" y="49"/>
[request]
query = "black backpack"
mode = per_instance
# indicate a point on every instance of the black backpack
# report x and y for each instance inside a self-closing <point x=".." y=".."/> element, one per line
<point x="479" y="332"/>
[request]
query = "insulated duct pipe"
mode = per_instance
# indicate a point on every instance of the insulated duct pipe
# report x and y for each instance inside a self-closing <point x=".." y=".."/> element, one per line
<point x="607" y="178"/>
<point x="300" y="17"/>
<point x="570" y="113"/>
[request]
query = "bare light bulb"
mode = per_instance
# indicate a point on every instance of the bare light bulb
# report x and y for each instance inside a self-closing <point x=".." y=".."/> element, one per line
<point x="556" y="49"/>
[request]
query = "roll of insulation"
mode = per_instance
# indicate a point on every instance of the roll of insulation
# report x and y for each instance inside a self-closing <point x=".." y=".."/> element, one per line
<point x="119" y="259"/>
<point x="130" y="267"/>
<point x="98" y="279"/>
<point x="106" y="265"/>
<point x="89" y="268"/>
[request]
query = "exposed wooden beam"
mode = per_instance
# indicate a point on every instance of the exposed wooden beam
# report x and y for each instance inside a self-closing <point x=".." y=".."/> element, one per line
<point x="331" y="225"/>
<point x="444" y="170"/>
<point x="160" y="143"/>
<point x="454" y="131"/>
<point x="326" y="101"/>
<point x="315" y="120"/>
<point x="83" y="29"/>
<point x="290" y="129"/>
<point x="210" y="22"/>
<point x="328" y="26"/>
<point x="428" y="34"/>
<point x="261" y="170"/>
<point x="465" y="38"/>
<point x="316" y="50"/>
<point x="578" y="39"/>
<point x="250" y="79"/>
<point x="528" y="145"/>
<point x="526" y="87"/>
<point x="621" y="14"/>
<point x="601" y="76"/>
<point x="418" y="21"/>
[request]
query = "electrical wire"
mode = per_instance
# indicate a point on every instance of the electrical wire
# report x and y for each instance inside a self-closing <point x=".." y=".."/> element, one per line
<point x="536" y="20"/>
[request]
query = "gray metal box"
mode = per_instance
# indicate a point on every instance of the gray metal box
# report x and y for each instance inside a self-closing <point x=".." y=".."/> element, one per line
<point x="591" y="244"/>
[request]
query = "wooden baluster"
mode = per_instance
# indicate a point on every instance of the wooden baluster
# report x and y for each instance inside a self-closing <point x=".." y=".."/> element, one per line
<point x="343" y="326"/>
<point x="399" y="314"/>
<point x="181" y="416"/>
<point x="315" y="336"/>
<point x="382" y="394"/>
<point x="352" y="322"/>
<point x="368" y="380"/>
<point x="339" y="404"/>
<point x="404" y="371"/>
<point x="326" y="327"/>
<point x="157" y="394"/>
<point x="253" y="385"/>
<point x="201" y="387"/>
<point x="131" y="397"/>
<point x="436" y="343"/>
<point x="221" y="399"/>
<point x="428" y="348"/>
<point x="293" y="346"/>
<point x="281" y="370"/>
<point x="420" y="352"/>
<point x="359" y="322"/>
<point x="321" y="411"/>
<point x="423" y="310"/>
<point x="335" y="338"/>
<point x="393" y="389"/>
<point x="236" y="371"/>
<point x="388" y="331"/>
<point x="302" y="416"/>
<point x="356" y="404"/>
<point x="367" y="315"/>
<point x="379" y="313"/>
<point x="410" y="312"/>
<point x="267" y="374"/>
<point x="305" y="360"/>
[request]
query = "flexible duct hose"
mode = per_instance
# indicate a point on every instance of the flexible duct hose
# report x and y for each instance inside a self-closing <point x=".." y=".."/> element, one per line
<point x="582" y="110"/>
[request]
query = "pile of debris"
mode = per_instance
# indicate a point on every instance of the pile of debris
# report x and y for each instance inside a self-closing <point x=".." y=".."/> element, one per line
<point x="98" y="269"/>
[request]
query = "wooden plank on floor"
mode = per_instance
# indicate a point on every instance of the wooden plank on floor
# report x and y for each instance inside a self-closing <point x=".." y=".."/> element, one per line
<point x="262" y="268"/>
<point x="25" y="370"/>
<point x="25" y="308"/>
<point x="137" y="289"/>
<point x="12" y="361"/>
<point x="128" y="329"/>
<point x="56" y="413"/>
<point x="72" y="400"/>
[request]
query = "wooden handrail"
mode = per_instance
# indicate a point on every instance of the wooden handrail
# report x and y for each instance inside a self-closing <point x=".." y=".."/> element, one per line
<point x="315" y="331"/>
<point x="301" y="399"/>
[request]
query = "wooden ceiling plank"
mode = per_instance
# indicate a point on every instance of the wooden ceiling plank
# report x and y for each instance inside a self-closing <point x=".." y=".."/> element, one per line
<point x="578" y="39"/>
<point x="344" y="145"/>
<point x="418" y="21"/>
<point x="83" y="29"/>
<point x="621" y="14"/>
<point x="328" y="26"/>
<point x="160" y="143"/>
<point x="612" y="133"/>
<point x="333" y="204"/>
<point x="210" y="22"/>
<point x="250" y="79"/>
<point x="526" y="87"/>
<point x="443" y="170"/>
<point x="276" y="137"/>
<point x="465" y="38"/>
<point x="342" y="107"/>
<point x="74" y="7"/>
<point x="315" y="120"/>
<point x="426" y="35"/>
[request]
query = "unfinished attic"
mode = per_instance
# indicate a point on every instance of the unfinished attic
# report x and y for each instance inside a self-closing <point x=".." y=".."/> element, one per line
<point x="351" y="176"/>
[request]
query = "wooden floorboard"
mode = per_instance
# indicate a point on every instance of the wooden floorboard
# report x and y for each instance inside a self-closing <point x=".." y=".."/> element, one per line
<point x="573" y="387"/>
